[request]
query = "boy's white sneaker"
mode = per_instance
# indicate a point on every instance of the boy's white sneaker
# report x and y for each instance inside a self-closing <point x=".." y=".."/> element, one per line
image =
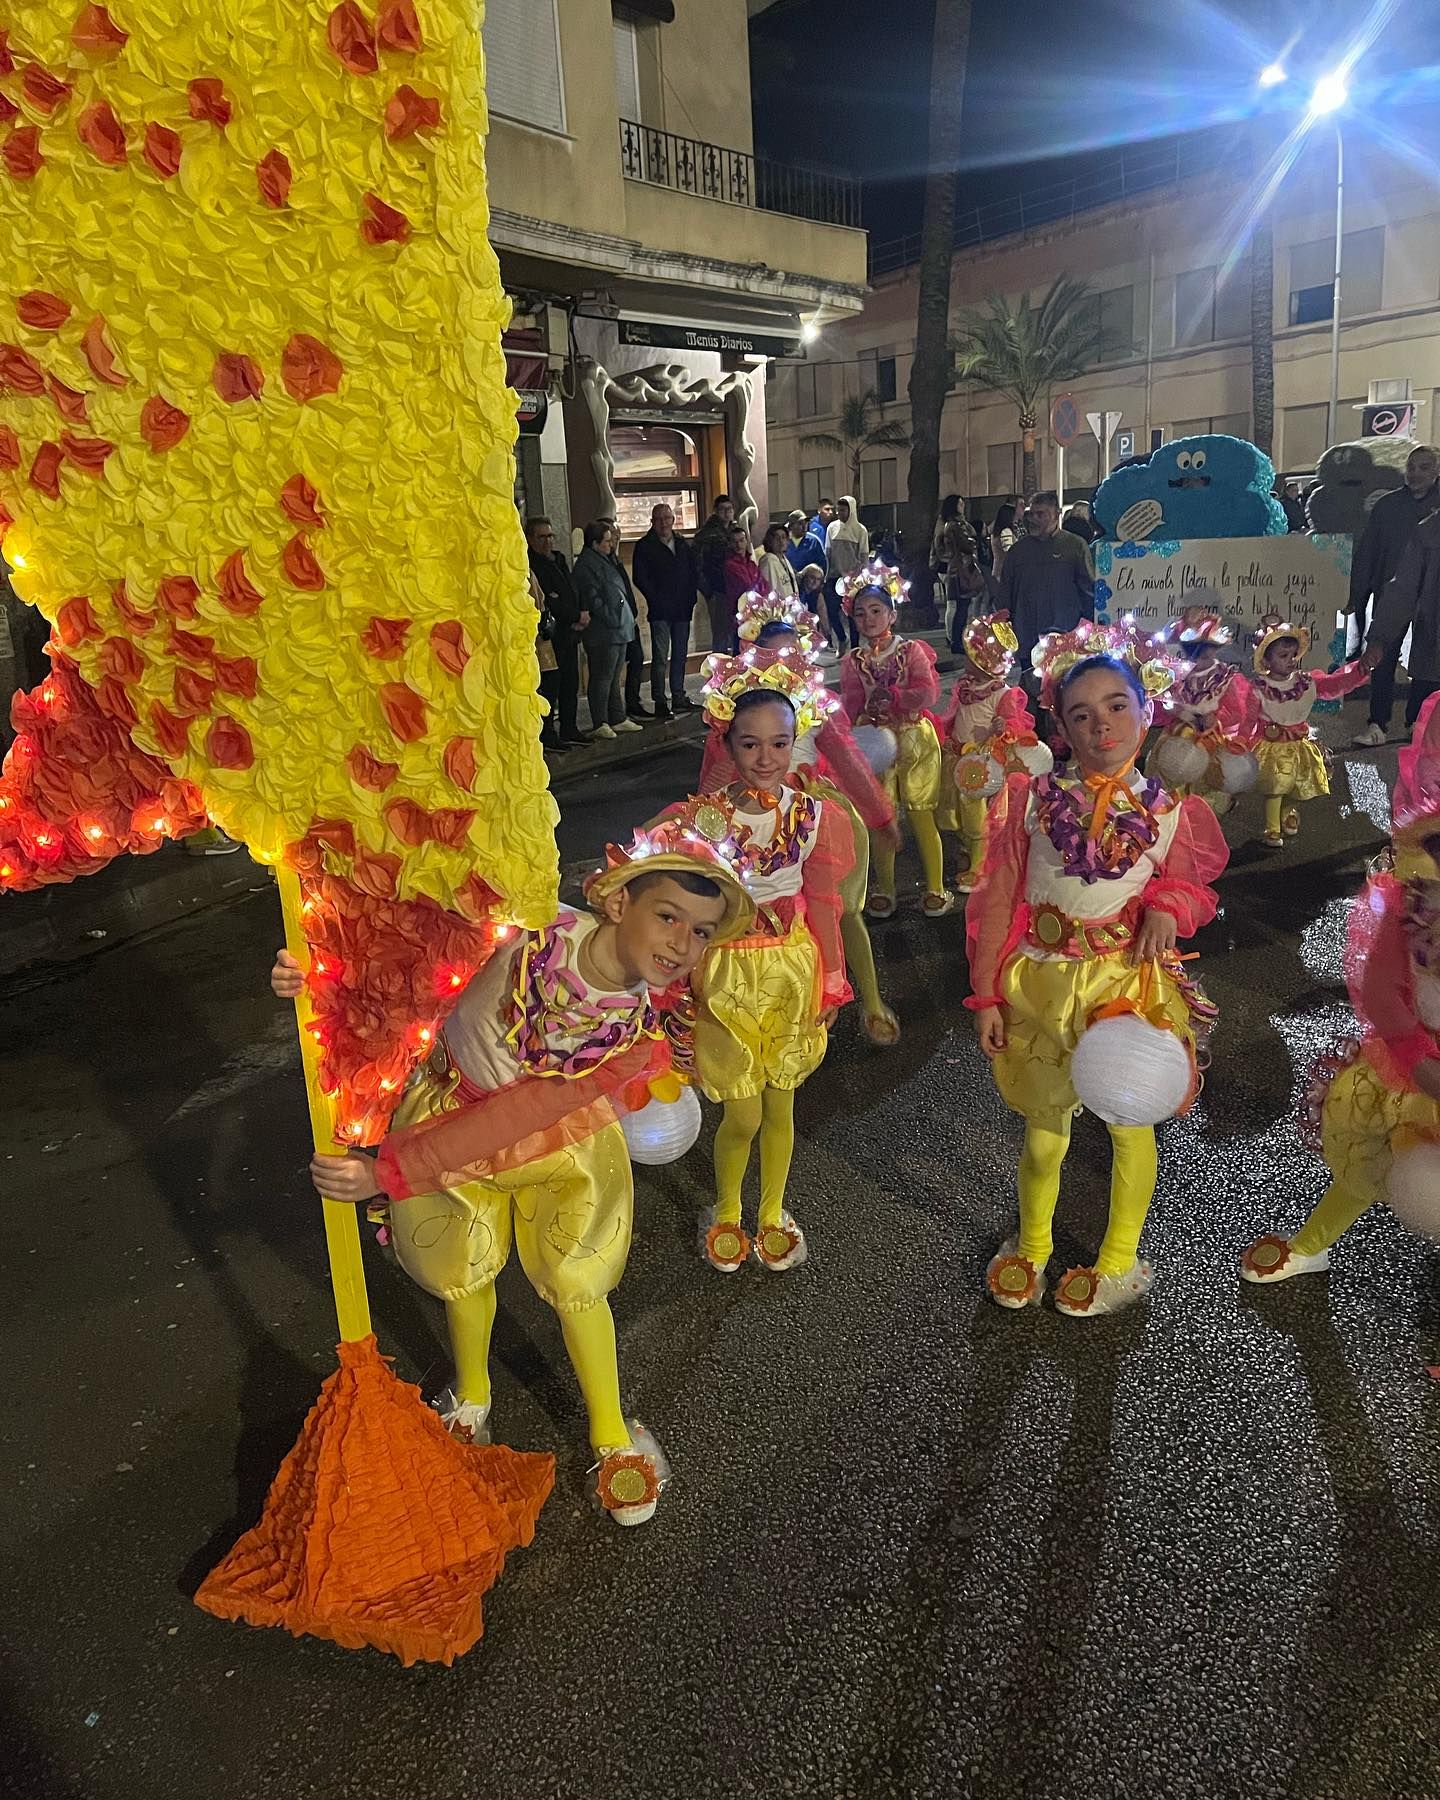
<point x="1273" y="1258"/>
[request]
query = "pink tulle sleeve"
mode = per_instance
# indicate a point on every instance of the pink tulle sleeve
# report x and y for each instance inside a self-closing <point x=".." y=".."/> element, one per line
<point x="1198" y="855"/>
<point x="852" y="688"/>
<point x="1382" y="990"/>
<point x="918" y="689"/>
<point x="825" y="868"/>
<point x="717" y="766"/>
<point x="1239" y="711"/>
<point x="848" y="769"/>
<point x="513" y="1125"/>
<point x="995" y="917"/>
<point x="1012" y="714"/>
<point x="1342" y="681"/>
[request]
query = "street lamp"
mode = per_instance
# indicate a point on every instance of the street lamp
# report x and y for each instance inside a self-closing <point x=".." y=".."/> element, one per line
<point x="1273" y="74"/>
<point x="1328" y="100"/>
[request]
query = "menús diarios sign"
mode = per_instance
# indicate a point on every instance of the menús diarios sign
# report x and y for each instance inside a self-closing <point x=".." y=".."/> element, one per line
<point x="1306" y="579"/>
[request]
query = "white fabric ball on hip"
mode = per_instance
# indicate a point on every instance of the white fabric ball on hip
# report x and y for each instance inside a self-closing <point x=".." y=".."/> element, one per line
<point x="979" y="776"/>
<point x="1239" y="771"/>
<point x="1130" y="1073"/>
<point x="878" y="745"/>
<point x="663" y="1130"/>
<point x="1413" y="1189"/>
<point x="1033" y="759"/>
<point x="1179" y="760"/>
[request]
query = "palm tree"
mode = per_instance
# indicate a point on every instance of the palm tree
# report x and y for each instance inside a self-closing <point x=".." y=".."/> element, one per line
<point x="1023" y="351"/>
<point x="930" y="378"/>
<point x="860" y="430"/>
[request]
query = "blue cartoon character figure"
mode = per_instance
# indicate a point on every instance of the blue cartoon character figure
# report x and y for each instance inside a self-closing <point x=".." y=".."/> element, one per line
<point x="1196" y="487"/>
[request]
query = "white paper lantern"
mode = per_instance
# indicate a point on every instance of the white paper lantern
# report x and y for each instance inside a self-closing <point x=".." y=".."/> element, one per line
<point x="978" y="776"/>
<point x="1180" y="761"/>
<point x="878" y="745"/>
<point x="1413" y="1189"/>
<point x="1034" y="759"/>
<point x="663" y="1130"/>
<point x="1129" y="1073"/>
<point x="1239" y="771"/>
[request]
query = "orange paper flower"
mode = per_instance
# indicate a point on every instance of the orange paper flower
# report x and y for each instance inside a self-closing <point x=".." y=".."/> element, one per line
<point x="193" y="691"/>
<point x="42" y="311"/>
<point x="22" y="152"/>
<point x="134" y="616"/>
<point x="237" y="675"/>
<point x="120" y="658"/>
<point x="87" y="453"/>
<point x="407" y="112"/>
<point x="398" y="27"/>
<point x="96" y="32"/>
<point x="237" y="377"/>
<point x="384" y="639"/>
<point x="238" y="594"/>
<point x="301" y="569"/>
<point x="460" y="762"/>
<point x="162" y="425"/>
<point x="228" y="744"/>
<point x="102" y="133"/>
<point x="43" y="90"/>
<point x="309" y="368"/>
<point x="385" y="225"/>
<point x="101" y="358"/>
<point x="352" y="38"/>
<point x="75" y="622"/>
<point x="162" y="150"/>
<point x="208" y="101"/>
<point x="9" y="448"/>
<point x="192" y="647"/>
<point x="450" y="646"/>
<point x="377" y="874"/>
<point x="7" y="60"/>
<point x="8" y="109"/>
<point x="70" y="403"/>
<point x="45" y="470"/>
<point x="273" y="176"/>
<point x="20" y="371"/>
<point x="177" y="596"/>
<point x="368" y="771"/>
<point x="404" y="711"/>
<point x="171" y="732"/>
<point x="413" y="825"/>
<point x="300" y="501"/>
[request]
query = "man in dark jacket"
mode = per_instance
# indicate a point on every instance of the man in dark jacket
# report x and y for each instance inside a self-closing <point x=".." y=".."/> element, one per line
<point x="1046" y="584"/>
<point x="711" y="547"/>
<point x="563" y="604"/>
<point x="665" y="574"/>
<point x="1378" y="553"/>
<point x="1412" y="600"/>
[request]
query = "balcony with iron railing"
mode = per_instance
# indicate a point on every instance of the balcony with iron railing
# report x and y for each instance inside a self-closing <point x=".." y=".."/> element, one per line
<point x="686" y="165"/>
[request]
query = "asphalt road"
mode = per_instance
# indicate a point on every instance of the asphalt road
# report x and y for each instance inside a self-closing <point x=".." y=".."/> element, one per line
<point x="915" y="1546"/>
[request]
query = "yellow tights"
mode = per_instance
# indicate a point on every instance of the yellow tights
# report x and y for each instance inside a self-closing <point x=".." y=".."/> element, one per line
<point x="1335" y="1212"/>
<point x="589" y="1338"/>
<point x="772" y="1115"/>
<point x="1275" y="807"/>
<point x="1132" y="1187"/>
<point x="860" y="963"/>
<point x="932" y="856"/>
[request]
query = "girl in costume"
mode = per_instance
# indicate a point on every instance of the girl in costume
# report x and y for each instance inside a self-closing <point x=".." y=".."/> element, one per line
<point x="511" y="1131"/>
<point x="1292" y="764"/>
<point x="766" y="1000"/>
<point x="1089" y="878"/>
<point x="1381" y="1108"/>
<point x="1209" y="719"/>
<point x="890" y="682"/>
<point x="828" y="763"/>
<point x="988" y="733"/>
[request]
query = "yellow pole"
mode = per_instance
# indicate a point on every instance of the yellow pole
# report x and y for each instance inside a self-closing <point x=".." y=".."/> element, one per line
<point x="342" y="1227"/>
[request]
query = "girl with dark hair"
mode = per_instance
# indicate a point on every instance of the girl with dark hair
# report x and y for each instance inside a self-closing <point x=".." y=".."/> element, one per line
<point x="1088" y="881"/>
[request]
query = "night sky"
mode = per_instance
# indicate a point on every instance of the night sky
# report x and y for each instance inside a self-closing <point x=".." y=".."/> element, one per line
<point x="1053" y="86"/>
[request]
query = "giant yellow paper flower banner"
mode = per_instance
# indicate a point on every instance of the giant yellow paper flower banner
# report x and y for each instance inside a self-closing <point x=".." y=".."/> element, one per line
<point x="255" y="447"/>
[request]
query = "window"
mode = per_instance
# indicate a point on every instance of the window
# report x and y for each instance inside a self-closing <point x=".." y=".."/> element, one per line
<point x="774" y="495"/>
<point x="627" y="70"/>
<point x="812" y="390"/>
<point x="1304" y="428"/>
<point x="1312" y="277"/>
<point x="780" y="392"/>
<point x="1112" y="319"/>
<point x="1002" y="466"/>
<point x="1222" y="425"/>
<point x="877" y="480"/>
<point x="877" y="373"/>
<point x="813" y="483"/>
<point x="521" y="39"/>
<point x="1205" y="315"/>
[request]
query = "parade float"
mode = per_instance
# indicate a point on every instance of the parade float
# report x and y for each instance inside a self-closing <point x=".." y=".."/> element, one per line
<point x="256" y="469"/>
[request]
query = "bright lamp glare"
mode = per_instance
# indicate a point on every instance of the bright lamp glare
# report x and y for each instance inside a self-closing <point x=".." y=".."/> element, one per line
<point x="1331" y="93"/>
<point x="1273" y="74"/>
<point x="809" y="331"/>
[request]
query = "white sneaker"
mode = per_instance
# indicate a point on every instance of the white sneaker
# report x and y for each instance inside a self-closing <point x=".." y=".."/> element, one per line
<point x="626" y="725"/>
<point x="1273" y="1259"/>
<point x="463" y="1419"/>
<point x="1087" y="1294"/>
<point x="603" y="731"/>
<point x="1371" y="738"/>
<point x="1012" y="1280"/>
<point x="628" y="1481"/>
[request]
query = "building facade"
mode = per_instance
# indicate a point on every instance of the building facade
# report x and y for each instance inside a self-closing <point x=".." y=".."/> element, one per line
<point x="1171" y="274"/>
<point x="654" y="263"/>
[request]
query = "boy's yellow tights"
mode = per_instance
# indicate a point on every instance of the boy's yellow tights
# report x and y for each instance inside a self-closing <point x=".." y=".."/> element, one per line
<point x="1132" y="1187"/>
<point x="772" y="1115"/>
<point x="1274" y="813"/>
<point x="1335" y="1212"/>
<point x="932" y="856"/>
<point x="860" y="963"/>
<point x="589" y="1339"/>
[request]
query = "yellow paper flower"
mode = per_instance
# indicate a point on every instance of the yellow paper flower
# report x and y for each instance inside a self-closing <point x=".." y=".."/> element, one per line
<point x="252" y="406"/>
